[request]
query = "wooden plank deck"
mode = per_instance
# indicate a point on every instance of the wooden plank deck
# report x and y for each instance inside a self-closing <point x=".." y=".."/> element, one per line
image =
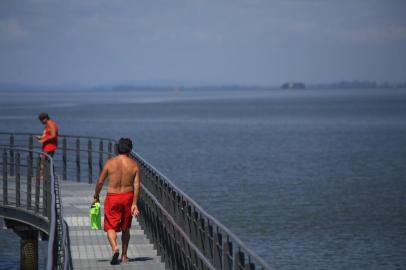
<point x="90" y="248"/>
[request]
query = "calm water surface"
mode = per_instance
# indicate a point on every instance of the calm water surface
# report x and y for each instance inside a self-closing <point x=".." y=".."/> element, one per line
<point x="312" y="179"/>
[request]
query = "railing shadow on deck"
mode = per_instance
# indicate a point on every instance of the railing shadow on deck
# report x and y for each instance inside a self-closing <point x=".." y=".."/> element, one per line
<point x="184" y="234"/>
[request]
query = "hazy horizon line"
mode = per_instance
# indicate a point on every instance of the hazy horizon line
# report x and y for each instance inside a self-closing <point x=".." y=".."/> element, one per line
<point x="190" y="84"/>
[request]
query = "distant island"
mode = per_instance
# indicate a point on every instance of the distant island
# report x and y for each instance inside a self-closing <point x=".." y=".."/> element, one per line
<point x="293" y="85"/>
<point x="359" y="84"/>
<point x="344" y="85"/>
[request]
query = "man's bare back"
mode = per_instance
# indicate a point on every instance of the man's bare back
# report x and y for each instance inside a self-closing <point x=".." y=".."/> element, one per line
<point x="122" y="172"/>
<point x="124" y="176"/>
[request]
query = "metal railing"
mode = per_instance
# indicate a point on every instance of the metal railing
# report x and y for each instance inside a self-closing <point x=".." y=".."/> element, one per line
<point x="30" y="194"/>
<point x="77" y="158"/>
<point x="22" y="185"/>
<point x="221" y="248"/>
<point x="184" y="234"/>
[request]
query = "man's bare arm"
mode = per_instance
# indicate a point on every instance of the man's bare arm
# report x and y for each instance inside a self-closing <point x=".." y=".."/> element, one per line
<point x="100" y="181"/>
<point x="136" y="186"/>
<point x="134" y="208"/>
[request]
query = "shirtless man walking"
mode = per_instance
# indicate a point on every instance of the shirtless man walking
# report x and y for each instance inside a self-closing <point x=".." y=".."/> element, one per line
<point x="120" y="204"/>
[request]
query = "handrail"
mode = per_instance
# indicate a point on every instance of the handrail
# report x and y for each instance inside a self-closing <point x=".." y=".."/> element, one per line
<point x="207" y="215"/>
<point x="184" y="235"/>
<point x="24" y="150"/>
<point x="60" y="135"/>
<point x="67" y="149"/>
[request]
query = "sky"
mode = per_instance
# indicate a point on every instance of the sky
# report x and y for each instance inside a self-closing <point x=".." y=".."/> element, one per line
<point x="247" y="42"/>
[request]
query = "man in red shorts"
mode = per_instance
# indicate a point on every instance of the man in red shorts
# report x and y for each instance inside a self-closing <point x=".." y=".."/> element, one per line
<point x="49" y="138"/>
<point x="120" y="203"/>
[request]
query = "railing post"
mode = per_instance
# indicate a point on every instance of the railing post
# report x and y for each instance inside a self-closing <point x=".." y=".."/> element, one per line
<point x="29" y="179"/>
<point x="189" y="228"/>
<point x="176" y="208"/>
<point x="18" y="176"/>
<point x="202" y="235"/>
<point x="64" y="160"/>
<point x="90" y="160"/>
<point x="115" y="149"/>
<point x="77" y="160"/>
<point x="5" y="187"/>
<point x="100" y="156"/>
<point x="37" y="184"/>
<point x="227" y="255"/>
<point x="110" y="149"/>
<point x="12" y="158"/>
<point x="30" y="153"/>
<point x="217" y="247"/>
<point x="209" y="241"/>
<point x="239" y="261"/>
<point x="249" y="266"/>
<point x="183" y="214"/>
<point x="45" y="181"/>
<point x="195" y="227"/>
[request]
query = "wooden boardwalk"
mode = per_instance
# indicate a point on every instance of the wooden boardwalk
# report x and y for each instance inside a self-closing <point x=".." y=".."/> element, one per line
<point x="90" y="248"/>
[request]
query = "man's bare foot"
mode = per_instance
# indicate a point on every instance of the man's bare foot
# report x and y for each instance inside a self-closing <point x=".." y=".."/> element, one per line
<point x="124" y="259"/>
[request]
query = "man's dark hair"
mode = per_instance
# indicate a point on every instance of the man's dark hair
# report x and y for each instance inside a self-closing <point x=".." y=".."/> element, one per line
<point x="124" y="146"/>
<point x="43" y="116"/>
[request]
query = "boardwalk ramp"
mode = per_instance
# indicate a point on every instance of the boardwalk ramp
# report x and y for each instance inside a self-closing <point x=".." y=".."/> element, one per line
<point x="90" y="248"/>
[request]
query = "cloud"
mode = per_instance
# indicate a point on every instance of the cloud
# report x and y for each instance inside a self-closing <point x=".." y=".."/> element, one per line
<point x="208" y="36"/>
<point x="11" y="30"/>
<point x="373" y="34"/>
<point x="301" y="27"/>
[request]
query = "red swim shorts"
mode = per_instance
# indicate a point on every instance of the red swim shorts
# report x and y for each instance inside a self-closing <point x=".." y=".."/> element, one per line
<point x="117" y="211"/>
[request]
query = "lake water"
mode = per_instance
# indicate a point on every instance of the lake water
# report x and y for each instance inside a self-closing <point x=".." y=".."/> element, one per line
<point x="309" y="179"/>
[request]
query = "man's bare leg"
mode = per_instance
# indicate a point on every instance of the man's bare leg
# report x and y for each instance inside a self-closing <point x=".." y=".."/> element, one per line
<point x="112" y="236"/>
<point x="125" y="239"/>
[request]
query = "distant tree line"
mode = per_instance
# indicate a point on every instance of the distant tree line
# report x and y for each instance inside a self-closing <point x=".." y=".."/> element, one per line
<point x="360" y="84"/>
